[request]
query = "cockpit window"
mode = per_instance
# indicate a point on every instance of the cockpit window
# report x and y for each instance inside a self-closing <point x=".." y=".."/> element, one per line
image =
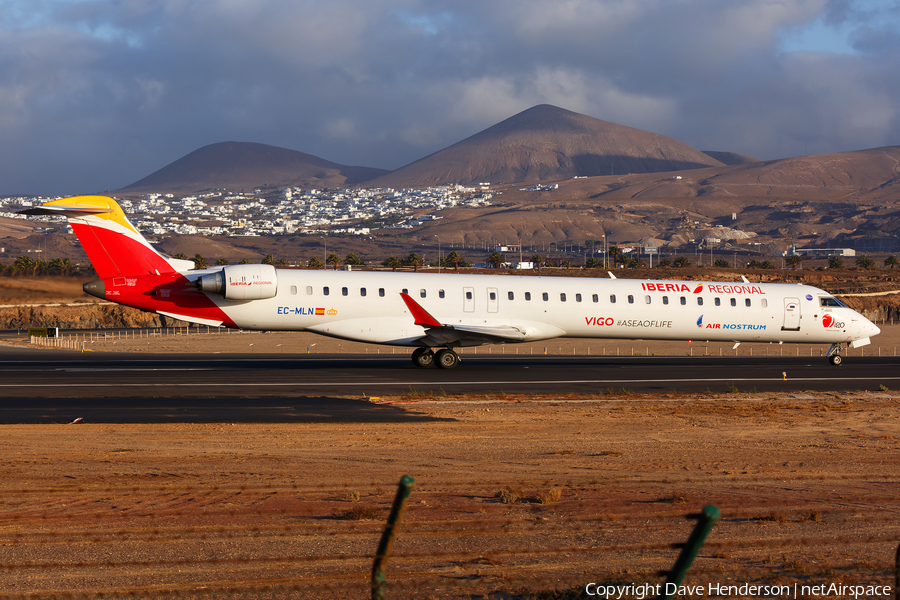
<point x="830" y="301"/>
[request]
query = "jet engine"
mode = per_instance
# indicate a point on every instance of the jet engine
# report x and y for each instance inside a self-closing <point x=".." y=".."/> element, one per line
<point x="241" y="282"/>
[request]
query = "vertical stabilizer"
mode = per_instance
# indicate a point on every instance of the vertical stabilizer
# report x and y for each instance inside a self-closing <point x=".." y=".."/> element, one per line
<point x="111" y="242"/>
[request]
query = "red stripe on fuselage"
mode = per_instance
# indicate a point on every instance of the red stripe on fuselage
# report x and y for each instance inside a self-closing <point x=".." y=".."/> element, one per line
<point x="113" y="253"/>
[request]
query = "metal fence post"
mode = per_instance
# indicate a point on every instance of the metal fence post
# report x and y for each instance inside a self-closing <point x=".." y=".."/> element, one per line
<point x="387" y="537"/>
<point x="707" y="519"/>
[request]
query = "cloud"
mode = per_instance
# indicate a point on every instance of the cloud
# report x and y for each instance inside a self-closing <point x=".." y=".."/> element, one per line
<point x="96" y="94"/>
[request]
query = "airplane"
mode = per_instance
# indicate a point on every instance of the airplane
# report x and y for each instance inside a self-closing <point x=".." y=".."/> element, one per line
<point x="439" y="312"/>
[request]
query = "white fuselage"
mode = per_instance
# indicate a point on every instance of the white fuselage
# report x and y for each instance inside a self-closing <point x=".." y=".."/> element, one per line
<point x="367" y="306"/>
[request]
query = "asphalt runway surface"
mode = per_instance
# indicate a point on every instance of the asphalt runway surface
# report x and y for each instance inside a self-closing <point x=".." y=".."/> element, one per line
<point x="52" y="386"/>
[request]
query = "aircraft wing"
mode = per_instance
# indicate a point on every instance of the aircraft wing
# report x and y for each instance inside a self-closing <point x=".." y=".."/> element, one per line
<point x="439" y="334"/>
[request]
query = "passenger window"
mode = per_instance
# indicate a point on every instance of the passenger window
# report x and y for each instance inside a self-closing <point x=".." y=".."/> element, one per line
<point x="562" y="297"/>
<point x="764" y="302"/>
<point x="577" y="297"/>
<point x="647" y="299"/>
<point x="325" y="290"/>
<point x="421" y="293"/>
<point x="293" y="290"/>
<point x="527" y="296"/>
<point x="344" y="291"/>
<point x="718" y="302"/>
<point x="699" y="301"/>
<point x="665" y="300"/>
<point x="440" y="293"/>
<point x="630" y="299"/>
<point x="405" y="291"/>
<point x="309" y="290"/>
<point x="612" y="298"/>
<point x="746" y="301"/>
<point x="381" y="292"/>
<point x="510" y="295"/>
<point x="683" y="300"/>
<point x="362" y="291"/>
<point x="734" y="301"/>
<point x="468" y="295"/>
<point x="493" y="296"/>
<point x="595" y="298"/>
<point x="545" y="296"/>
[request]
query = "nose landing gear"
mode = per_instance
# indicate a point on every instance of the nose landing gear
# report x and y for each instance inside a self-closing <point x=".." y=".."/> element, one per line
<point x="834" y="356"/>
<point x="445" y="358"/>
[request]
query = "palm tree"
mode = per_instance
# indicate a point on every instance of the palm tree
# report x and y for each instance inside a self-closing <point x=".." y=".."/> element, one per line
<point x="222" y="261"/>
<point x="393" y="262"/>
<point x="61" y="265"/>
<point x="268" y="260"/>
<point x="591" y="263"/>
<point x="793" y="260"/>
<point x="890" y="261"/>
<point x="414" y="261"/>
<point x="314" y="263"/>
<point x="334" y="260"/>
<point x="244" y="261"/>
<point x="835" y="262"/>
<point x="495" y="259"/>
<point x="354" y="260"/>
<point x="26" y="264"/>
<point x="453" y="259"/>
<point x="613" y="252"/>
<point x="199" y="261"/>
<point x="682" y="261"/>
<point x="181" y="256"/>
<point x="864" y="262"/>
<point x="538" y="261"/>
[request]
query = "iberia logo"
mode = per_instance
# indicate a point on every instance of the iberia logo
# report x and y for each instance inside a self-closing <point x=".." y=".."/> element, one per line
<point x="827" y="321"/>
<point x="698" y="289"/>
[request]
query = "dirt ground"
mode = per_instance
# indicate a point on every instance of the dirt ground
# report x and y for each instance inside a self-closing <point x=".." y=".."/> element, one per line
<point x="597" y="489"/>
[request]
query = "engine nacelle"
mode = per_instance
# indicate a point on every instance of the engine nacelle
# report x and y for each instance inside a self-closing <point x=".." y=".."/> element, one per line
<point x="241" y="282"/>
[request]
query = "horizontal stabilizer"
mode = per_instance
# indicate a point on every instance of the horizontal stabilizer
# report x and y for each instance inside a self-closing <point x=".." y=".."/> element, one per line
<point x="58" y="210"/>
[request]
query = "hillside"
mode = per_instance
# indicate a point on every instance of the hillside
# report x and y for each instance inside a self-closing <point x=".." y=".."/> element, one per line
<point x="245" y="166"/>
<point x="548" y="143"/>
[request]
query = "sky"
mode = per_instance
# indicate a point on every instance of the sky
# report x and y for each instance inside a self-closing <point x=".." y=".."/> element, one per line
<point x="96" y="94"/>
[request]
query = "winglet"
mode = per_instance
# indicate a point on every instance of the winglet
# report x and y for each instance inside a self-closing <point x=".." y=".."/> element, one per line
<point x="419" y="314"/>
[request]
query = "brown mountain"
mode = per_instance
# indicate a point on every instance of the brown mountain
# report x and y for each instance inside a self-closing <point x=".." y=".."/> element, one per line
<point x="730" y="158"/>
<point x="246" y="165"/>
<point x="546" y="143"/>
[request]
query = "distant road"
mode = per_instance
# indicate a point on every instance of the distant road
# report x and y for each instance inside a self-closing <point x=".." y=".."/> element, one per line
<point x="53" y="386"/>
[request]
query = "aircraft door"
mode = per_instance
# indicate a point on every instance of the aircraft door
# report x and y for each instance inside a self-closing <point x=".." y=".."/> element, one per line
<point x="493" y="300"/>
<point x="791" y="314"/>
<point x="469" y="299"/>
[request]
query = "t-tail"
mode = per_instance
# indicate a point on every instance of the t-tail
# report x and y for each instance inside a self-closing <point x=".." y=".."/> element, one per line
<point x="131" y="271"/>
<point x="113" y="245"/>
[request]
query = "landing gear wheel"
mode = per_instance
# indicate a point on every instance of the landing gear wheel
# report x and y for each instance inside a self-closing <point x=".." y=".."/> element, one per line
<point x="446" y="358"/>
<point x="423" y="357"/>
<point x="835" y="359"/>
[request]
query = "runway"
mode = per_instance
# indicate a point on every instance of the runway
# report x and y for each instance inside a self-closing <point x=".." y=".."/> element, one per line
<point x="53" y="386"/>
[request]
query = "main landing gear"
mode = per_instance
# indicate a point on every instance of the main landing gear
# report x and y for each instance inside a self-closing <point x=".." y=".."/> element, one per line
<point x="834" y="356"/>
<point x="444" y="358"/>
